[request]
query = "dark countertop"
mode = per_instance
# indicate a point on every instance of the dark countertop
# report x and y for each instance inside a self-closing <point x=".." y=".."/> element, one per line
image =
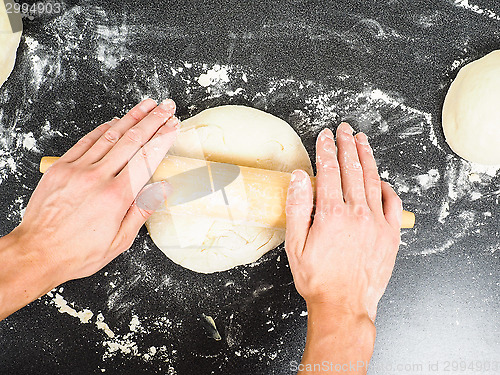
<point x="384" y="66"/>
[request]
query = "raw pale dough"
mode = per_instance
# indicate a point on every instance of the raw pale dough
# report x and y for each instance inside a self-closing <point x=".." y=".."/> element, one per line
<point x="231" y="134"/>
<point x="9" y="42"/>
<point x="471" y="111"/>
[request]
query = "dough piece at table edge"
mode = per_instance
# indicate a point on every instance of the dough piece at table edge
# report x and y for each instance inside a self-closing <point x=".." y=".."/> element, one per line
<point x="471" y="114"/>
<point x="9" y="42"/>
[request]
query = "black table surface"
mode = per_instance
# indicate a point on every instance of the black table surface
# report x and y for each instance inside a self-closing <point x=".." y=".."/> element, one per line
<point x="383" y="65"/>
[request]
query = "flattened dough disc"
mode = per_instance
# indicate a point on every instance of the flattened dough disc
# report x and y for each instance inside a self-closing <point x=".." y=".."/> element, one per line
<point x="237" y="135"/>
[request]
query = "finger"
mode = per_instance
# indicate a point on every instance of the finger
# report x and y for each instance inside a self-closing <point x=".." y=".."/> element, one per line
<point x="393" y="207"/>
<point x="149" y="200"/>
<point x="105" y="142"/>
<point x="350" y="168"/>
<point x="141" y="167"/>
<point x="328" y="183"/>
<point x="370" y="173"/>
<point x="299" y="206"/>
<point x="137" y="136"/>
<point x="86" y="142"/>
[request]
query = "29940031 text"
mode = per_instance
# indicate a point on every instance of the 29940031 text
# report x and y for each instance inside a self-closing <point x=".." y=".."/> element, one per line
<point x="32" y="10"/>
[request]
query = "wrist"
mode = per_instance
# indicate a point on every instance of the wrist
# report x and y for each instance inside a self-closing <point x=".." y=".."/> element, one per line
<point x="338" y="317"/>
<point x="352" y="329"/>
<point x="39" y="257"/>
<point x="27" y="272"/>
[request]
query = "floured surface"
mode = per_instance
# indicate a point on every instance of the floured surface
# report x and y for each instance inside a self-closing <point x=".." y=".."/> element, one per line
<point x="385" y="69"/>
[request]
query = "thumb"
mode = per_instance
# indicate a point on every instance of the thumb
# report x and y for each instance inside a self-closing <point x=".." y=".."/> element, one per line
<point x="299" y="206"/>
<point x="149" y="199"/>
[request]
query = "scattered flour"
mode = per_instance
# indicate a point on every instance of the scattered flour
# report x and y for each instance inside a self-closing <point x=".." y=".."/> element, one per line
<point x="62" y="305"/>
<point x="126" y="344"/>
<point x="466" y="4"/>
<point x="135" y="324"/>
<point x="218" y="74"/>
<point x="444" y="211"/>
<point x="103" y="326"/>
<point x="428" y="180"/>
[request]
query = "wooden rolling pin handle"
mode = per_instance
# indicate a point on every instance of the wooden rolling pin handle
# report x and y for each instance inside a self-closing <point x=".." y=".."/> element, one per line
<point x="46" y="162"/>
<point x="408" y="218"/>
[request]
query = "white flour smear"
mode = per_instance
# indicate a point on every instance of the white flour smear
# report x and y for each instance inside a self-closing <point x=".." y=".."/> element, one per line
<point x="124" y="344"/>
<point x="469" y="5"/>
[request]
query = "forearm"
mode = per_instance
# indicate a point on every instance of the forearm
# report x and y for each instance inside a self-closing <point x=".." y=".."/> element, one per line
<point x="25" y="274"/>
<point x="337" y="342"/>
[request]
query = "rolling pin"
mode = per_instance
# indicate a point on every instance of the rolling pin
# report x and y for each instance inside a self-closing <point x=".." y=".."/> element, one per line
<point x="244" y="195"/>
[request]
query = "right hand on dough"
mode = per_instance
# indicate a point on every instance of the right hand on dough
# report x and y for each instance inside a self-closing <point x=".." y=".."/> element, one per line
<point x="343" y="260"/>
<point x="83" y="212"/>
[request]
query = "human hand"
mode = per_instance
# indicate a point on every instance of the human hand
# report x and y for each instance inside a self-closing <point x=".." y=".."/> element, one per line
<point x="83" y="212"/>
<point x="344" y="260"/>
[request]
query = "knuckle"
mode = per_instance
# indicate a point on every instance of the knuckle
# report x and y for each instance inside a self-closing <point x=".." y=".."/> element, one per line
<point x="103" y="127"/>
<point x="362" y="212"/>
<point x="57" y="169"/>
<point x="327" y="161"/>
<point x="145" y="153"/>
<point x="135" y="135"/>
<point x="111" y="135"/>
<point x="329" y="165"/>
<point x="352" y="166"/>
<point x="83" y="141"/>
<point x="355" y="165"/>
<point x="92" y="175"/>
<point x="113" y="192"/>
<point x="135" y="114"/>
<point x="330" y="210"/>
<point x="373" y="178"/>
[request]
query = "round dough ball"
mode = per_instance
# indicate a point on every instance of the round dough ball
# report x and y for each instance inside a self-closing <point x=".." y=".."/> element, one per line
<point x="9" y="42"/>
<point x="237" y="135"/>
<point x="471" y="111"/>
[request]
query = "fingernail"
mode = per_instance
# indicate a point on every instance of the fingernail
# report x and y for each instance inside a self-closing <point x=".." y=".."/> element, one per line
<point x="116" y="118"/>
<point x="329" y="145"/>
<point x="152" y="196"/>
<point x="346" y="128"/>
<point x="362" y="139"/>
<point x="147" y="105"/>
<point x="168" y="105"/>
<point x="326" y="133"/>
